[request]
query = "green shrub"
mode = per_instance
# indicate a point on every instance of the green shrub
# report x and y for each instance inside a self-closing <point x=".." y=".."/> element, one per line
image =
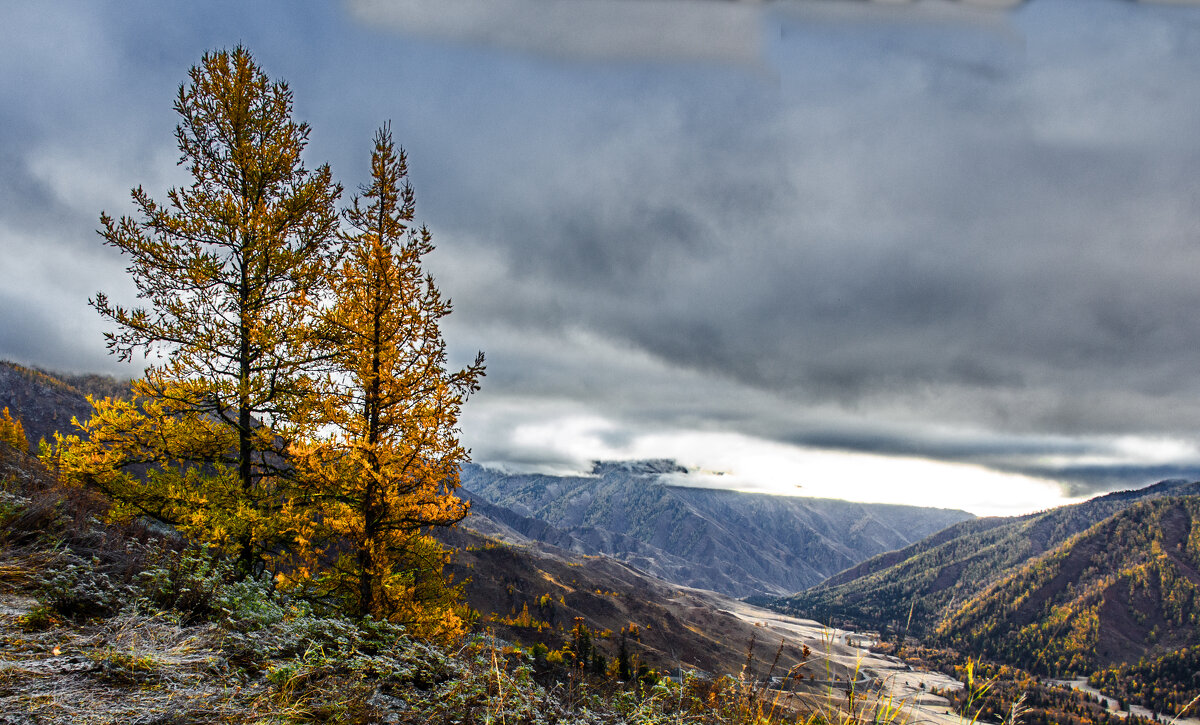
<point x="188" y="582"/>
<point x="81" y="590"/>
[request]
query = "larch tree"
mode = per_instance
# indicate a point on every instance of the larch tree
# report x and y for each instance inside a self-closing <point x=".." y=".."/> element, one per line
<point x="12" y="432"/>
<point x="232" y="270"/>
<point x="389" y="465"/>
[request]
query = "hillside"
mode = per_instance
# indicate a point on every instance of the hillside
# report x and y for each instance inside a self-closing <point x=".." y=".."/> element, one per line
<point x="534" y="593"/>
<point x="1166" y="683"/>
<point x="1125" y="589"/>
<point x="734" y="543"/>
<point x="108" y="624"/>
<point x="113" y="623"/>
<point x="944" y="570"/>
<point x="42" y="402"/>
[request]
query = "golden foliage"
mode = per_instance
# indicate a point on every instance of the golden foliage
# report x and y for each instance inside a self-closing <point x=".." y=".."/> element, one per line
<point x="12" y="432"/>
<point x="388" y="464"/>
<point x="231" y="267"/>
<point x="155" y="456"/>
<point x="303" y="417"/>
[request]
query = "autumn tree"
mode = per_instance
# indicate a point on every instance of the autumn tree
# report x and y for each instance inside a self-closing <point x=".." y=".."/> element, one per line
<point x="231" y="270"/>
<point x="12" y="432"/>
<point x="389" y="469"/>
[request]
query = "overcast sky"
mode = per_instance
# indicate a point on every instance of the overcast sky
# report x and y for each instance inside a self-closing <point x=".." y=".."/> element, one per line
<point x="937" y="253"/>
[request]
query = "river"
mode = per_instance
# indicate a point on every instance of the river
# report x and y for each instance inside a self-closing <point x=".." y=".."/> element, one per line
<point x="1082" y="686"/>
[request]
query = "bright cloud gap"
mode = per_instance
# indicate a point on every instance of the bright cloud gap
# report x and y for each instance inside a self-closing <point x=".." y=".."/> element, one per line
<point x="569" y="444"/>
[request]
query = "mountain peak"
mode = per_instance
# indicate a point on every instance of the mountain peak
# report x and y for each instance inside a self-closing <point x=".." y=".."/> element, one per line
<point x="1171" y="486"/>
<point x="647" y="467"/>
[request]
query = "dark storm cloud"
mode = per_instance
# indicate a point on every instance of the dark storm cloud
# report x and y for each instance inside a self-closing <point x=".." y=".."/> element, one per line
<point x="931" y="232"/>
<point x="1008" y="298"/>
<point x="998" y="238"/>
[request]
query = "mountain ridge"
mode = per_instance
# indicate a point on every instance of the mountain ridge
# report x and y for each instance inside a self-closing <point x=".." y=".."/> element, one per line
<point x="1124" y="589"/>
<point x="915" y="586"/>
<point x="727" y="541"/>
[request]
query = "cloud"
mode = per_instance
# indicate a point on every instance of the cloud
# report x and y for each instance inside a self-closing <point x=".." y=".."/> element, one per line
<point x="591" y="29"/>
<point x="932" y="233"/>
<point x="865" y="262"/>
<point x="880" y="250"/>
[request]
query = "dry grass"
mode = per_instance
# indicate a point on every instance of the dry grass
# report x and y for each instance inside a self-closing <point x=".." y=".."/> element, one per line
<point x="127" y="669"/>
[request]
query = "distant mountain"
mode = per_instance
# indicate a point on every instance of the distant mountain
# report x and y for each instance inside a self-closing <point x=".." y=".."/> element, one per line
<point x="1127" y="588"/>
<point x="734" y="543"/>
<point x="927" y="580"/>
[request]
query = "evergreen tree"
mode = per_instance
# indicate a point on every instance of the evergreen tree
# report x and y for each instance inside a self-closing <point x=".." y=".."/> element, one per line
<point x="231" y="269"/>
<point x="624" y="661"/>
<point x="391" y="465"/>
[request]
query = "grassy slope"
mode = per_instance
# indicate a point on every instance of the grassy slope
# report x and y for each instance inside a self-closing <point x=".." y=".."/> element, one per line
<point x="106" y="624"/>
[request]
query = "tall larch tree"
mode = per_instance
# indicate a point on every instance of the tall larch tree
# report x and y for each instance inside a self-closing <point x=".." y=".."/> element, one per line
<point x="231" y="270"/>
<point x="389" y="470"/>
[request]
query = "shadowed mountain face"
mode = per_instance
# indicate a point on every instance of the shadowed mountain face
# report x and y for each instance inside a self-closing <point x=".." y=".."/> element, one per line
<point x="930" y="579"/>
<point x="1125" y="589"/>
<point x="42" y="403"/>
<point x="734" y="543"/>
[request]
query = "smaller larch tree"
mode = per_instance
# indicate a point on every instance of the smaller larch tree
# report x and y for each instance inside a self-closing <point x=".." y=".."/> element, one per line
<point x="388" y="463"/>
<point x="12" y="432"/>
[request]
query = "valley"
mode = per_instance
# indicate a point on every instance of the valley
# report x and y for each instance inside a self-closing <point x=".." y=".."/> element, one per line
<point x="739" y="544"/>
<point x="1081" y="685"/>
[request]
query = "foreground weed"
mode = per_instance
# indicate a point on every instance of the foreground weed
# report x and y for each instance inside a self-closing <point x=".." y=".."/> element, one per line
<point x="1184" y="709"/>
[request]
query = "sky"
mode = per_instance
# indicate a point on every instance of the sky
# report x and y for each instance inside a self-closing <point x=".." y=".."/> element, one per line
<point x="937" y="253"/>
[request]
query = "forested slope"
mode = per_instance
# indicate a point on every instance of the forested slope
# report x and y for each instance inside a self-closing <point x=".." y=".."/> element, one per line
<point x="1126" y="588"/>
<point x="934" y="575"/>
